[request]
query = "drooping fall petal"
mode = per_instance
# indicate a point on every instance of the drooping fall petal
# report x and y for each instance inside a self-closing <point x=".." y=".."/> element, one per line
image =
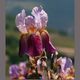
<point x="47" y="45"/>
<point x="30" y="45"/>
<point x="23" y="44"/>
<point x="29" y="21"/>
<point x="35" y="45"/>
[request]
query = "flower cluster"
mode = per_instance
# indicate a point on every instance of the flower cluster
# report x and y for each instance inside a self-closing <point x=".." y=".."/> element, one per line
<point x="27" y="71"/>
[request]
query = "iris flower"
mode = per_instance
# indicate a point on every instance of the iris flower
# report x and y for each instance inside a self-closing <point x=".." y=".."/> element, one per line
<point x="65" y="63"/>
<point x="34" y="37"/>
<point x="22" y="67"/>
<point x="14" y="71"/>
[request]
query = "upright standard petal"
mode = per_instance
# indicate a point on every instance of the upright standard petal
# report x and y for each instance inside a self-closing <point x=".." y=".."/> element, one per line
<point x="20" y="18"/>
<point x="36" y="13"/>
<point x="20" y="21"/>
<point x="41" y="17"/>
<point x="29" y="21"/>
<point x="44" y="18"/>
<point x="36" y="10"/>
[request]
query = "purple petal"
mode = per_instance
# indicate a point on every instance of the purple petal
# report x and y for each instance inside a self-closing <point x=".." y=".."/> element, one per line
<point x="38" y="23"/>
<point x="35" y="13"/>
<point x="29" y="21"/>
<point x="36" y="10"/>
<point x="20" y="21"/>
<point x="34" y="45"/>
<point x="47" y="45"/>
<point x="22" y="29"/>
<point x="30" y="45"/>
<point x="68" y="63"/>
<point x="41" y="17"/>
<point x="44" y="18"/>
<point x="14" y="71"/>
<point x="22" y="67"/>
<point x="20" y="18"/>
<point x="23" y="44"/>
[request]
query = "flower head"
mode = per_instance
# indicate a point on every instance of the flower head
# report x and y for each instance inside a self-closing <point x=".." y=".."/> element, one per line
<point x="14" y="71"/>
<point x="38" y="20"/>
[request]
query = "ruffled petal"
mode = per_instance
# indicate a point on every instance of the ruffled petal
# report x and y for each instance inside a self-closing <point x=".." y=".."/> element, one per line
<point x="41" y="17"/>
<point x="44" y="18"/>
<point x="36" y="10"/>
<point x="35" y="45"/>
<point x="68" y="63"/>
<point x="36" y="13"/>
<point x="29" y="21"/>
<point x="20" y="21"/>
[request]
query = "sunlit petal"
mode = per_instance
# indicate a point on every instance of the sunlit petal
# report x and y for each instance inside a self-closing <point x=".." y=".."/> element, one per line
<point x="41" y="17"/>
<point x="29" y="21"/>
<point x="20" y="21"/>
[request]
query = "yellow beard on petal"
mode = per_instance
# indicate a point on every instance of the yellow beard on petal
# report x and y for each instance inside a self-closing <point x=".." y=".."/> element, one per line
<point x="31" y="29"/>
<point x="37" y="33"/>
<point x="43" y="30"/>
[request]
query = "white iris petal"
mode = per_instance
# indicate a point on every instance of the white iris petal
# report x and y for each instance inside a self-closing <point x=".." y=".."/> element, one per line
<point x="41" y="17"/>
<point x="20" y="21"/>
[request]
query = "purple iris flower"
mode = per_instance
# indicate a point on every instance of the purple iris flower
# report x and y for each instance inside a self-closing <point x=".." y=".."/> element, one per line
<point x="14" y="71"/>
<point x="68" y="63"/>
<point x="33" y="44"/>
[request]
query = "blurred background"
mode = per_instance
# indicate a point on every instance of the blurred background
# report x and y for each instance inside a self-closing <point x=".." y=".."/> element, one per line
<point x="60" y="26"/>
